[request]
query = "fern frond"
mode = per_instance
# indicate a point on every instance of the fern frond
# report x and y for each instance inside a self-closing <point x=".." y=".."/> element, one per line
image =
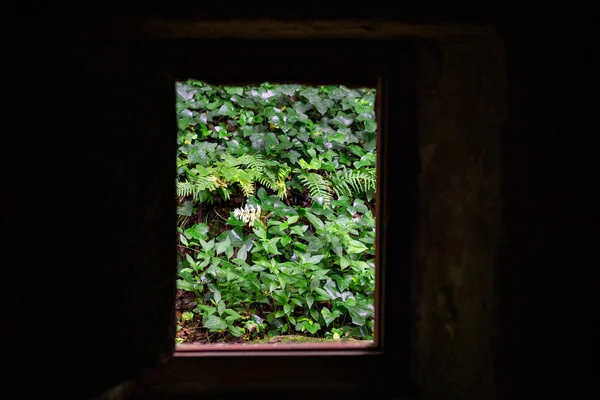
<point x="349" y="181"/>
<point x="268" y="178"/>
<point x="256" y="168"/>
<point x="194" y="189"/>
<point x="254" y="161"/>
<point x="318" y="187"/>
<point x="247" y="188"/>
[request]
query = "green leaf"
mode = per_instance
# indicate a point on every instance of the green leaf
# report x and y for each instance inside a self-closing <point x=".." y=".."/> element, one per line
<point x="185" y="273"/>
<point x="315" y="314"/>
<point x="344" y="262"/>
<point x="260" y="232"/>
<point x="323" y="294"/>
<point x="215" y="323"/>
<point x="285" y="240"/>
<point x="315" y="259"/>
<point x="236" y="331"/>
<point x="358" y="314"/>
<point x="312" y="327"/>
<point x="223" y="246"/>
<point x="234" y="90"/>
<point x="242" y="253"/>
<point x="183" y="285"/>
<point x="186" y="209"/>
<point x="271" y="141"/>
<point x="217" y="295"/>
<point x="331" y="288"/>
<point x="183" y="240"/>
<point x="197" y="231"/>
<point x="227" y="109"/>
<point x="273" y="285"/>
<point x="314" y="220"/>
<point x="329" y="316"/>
<point x="207" y="246"/>
<point x="208" y="310"/>
<point x="355" y="247"/>
<point x="271" y="246"/>
<point x="221" y="307"/>
<point x="213" y="105"/>
<point x="299" y="230"/>
<point x="232" y="315"/>
<point x="190" y="259"/>
<point x="309" y="300"/>
<point x="233" y="275"/>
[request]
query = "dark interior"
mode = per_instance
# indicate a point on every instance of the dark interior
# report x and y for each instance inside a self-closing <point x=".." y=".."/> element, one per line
<point x="503" y="229"/>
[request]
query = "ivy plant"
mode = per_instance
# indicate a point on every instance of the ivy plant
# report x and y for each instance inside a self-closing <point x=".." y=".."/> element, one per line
<point x="276" y="204"/>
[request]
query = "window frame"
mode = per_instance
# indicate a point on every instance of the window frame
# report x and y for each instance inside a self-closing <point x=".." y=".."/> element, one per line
<point x="271" y="369"/>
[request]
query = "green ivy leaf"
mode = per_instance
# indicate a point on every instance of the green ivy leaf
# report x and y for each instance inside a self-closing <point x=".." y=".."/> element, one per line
<point x="234" y="90"/>
<point x="312" y="327"/>
<point x="329" y="316"/>
<point x="358" y="314"/>
<point x="186" y="209"/>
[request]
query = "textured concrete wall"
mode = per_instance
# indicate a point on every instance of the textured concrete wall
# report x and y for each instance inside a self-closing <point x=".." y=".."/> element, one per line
<point x="461" y="103"/>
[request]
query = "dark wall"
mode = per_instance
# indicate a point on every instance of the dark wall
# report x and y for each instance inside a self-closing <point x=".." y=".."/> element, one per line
<point x="70" y="112"/>
<point x="461" y="97"/>
<point x="544" y="283"/>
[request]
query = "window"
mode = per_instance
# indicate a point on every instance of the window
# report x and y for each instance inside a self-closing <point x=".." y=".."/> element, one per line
<point x="276" y="188"/>
<point x="385" y="65"/>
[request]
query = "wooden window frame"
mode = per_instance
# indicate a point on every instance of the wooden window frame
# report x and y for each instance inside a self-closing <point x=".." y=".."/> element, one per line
<point x="301" y="370"/>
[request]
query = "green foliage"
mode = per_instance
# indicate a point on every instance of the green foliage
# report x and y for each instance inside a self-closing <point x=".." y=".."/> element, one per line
<point x="276" y="227"/>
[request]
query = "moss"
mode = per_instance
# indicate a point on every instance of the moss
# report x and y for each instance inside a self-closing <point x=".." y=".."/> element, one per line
<point x="304" y="339"/>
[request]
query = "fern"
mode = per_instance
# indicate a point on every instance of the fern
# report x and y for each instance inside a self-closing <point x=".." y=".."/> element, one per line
<point x="270" y="174"/>
<point x="318" y="187"/>
<point x="349" y="181"/>
<point x="200" y="184"/>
